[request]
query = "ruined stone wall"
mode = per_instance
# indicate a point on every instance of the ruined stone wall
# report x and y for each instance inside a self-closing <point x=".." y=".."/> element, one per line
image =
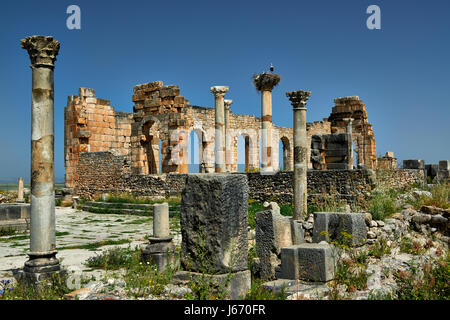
<point x="362" y="132"/>
<point x="92" y="125"/>
<point x="155" y="136"/>
<point x="399" y="178"/>
<point x="387" y="162"/>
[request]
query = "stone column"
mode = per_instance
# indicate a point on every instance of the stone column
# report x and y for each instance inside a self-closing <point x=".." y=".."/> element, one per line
<point x="161" y="220"/>
<point x="265" y="82"/>
<point x="228" y="150"/>
<point x="349" y="143"/>
<point x="42" y="51"/>
<point x="159" y="250"/>
<point x="219" y="141"/>
<point x="298" y="100"/>
<point x="20" y="190"/>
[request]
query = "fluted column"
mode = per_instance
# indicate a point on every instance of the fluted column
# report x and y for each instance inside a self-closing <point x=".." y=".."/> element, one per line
<point x="298" y="100"/>
<point x="42" y="256"/>
<point x="265" y="82"/>
<point x="228" y="149"/>
<point x="219" y="140"/>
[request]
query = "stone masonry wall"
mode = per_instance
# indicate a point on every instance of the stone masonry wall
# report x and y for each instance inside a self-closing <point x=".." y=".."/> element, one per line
<point x="92" y="125"/>
<point x="103" y="172"/>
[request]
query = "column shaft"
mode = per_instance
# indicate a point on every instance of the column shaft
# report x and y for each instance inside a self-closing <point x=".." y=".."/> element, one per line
<point x="300" y="163"/>
<point x="266" y="131"/>
<point x="42" y="227"/>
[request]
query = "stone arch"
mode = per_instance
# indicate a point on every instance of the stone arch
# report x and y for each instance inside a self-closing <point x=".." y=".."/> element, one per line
<point x="251" y="139"/>
<point x="145" y="146"/>
<point x="287" y="154"/>
<point x="202" y="147"/>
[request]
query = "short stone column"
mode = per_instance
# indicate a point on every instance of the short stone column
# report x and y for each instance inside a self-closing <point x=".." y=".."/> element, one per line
<point x="43" y="51"/>
<point x="20" y="191"/>
<point x="349" y="143"/>
<point x="265" y="82"/>
<point x="160" y="250"/>
<point x="298" y="100"/>
<point x="219" y="141"/>
<point x="228" y="149"/>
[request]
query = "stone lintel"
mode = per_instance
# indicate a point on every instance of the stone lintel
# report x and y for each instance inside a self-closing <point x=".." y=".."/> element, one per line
<point x="266" y="81"/>
<point x="41" y="49"/>
<point x="298" y="98"/>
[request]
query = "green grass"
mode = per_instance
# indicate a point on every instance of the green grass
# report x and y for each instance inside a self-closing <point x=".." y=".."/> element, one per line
<point x="130" y="198"/>
<point x="382" y="205"/>
<point x="96" y="245"/>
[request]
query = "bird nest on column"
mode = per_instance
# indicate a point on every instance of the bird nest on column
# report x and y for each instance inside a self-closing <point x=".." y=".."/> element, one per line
<point x="266" y="80"/>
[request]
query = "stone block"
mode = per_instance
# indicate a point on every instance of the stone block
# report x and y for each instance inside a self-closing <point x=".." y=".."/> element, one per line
<point x="444" y="165"/>
<point x="308" y="261"/>
<point x="330" y="226"/>
<point x="214" y="221"/>
<point x="273" y="232"/>
<point x="413" y="164"/>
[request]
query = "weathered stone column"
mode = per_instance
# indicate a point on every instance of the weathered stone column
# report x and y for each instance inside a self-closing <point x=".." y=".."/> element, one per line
<point x="219" y="141"/>
<point x="43" y="51"/>
<point x="161" y="220"/>
<point x="228" y="151"/>
<point x="159" y="250"/>
<point x="350" y="143"/>
<point x="298" y="100"/>
<point x="265" y="82"/>
<point x="20" y="190"/>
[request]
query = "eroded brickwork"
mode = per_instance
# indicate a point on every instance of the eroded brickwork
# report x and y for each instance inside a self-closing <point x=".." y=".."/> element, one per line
<point x="92" y="125"/>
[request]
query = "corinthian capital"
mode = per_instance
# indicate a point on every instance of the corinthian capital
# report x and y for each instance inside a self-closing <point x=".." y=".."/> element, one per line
<point x="41" y="49"/>
<point x="227" y="103"/>
<point x="218" y="91"/>
<point x="298" y="98"/>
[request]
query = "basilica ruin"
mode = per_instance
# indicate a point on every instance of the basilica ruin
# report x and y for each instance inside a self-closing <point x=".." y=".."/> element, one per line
<point x="156" y="134"/>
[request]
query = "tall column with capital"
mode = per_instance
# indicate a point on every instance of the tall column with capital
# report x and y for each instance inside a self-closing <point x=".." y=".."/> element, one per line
<point x="349" y="143"/>
<point x="228" y="151"/>
<point x="42" y="256"/>
<point x="298" y="100"/>
<point x="265" y="82"/>
<point x="219" y="140"/>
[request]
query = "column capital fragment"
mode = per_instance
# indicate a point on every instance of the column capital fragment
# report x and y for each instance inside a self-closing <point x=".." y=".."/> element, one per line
<point x="266" y="81"/>
<point x="218" y="91"/>
<point x="227" y="103"/>
<point x="41" y="49"/>
<point x="298" y="98"/>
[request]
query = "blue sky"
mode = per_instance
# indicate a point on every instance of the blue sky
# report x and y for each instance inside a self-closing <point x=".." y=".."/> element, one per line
<point x="401" y="72"/>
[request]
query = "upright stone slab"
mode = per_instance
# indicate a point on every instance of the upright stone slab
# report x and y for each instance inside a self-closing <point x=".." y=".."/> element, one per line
<point x="273" y="232"/>
<point x="214" y="220"/>
<point x="330" y="226"/>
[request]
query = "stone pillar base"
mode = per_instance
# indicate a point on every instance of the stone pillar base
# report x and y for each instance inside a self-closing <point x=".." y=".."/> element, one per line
<point x="160" y="252"/>
<point x="236" y="284"/>
<point x="40" y="266"/>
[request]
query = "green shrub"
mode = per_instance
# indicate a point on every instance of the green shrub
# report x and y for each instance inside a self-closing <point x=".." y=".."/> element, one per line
<point x="382" y="205"/>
